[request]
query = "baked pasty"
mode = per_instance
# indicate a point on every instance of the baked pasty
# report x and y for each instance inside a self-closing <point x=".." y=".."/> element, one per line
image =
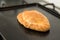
<point x="34" y="20"/>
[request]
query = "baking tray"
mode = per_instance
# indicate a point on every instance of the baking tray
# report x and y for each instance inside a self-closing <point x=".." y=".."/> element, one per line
<point x="12" y="30"/>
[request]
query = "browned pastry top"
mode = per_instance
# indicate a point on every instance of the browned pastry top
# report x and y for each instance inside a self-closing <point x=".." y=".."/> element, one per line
<point x="34" y="18"/>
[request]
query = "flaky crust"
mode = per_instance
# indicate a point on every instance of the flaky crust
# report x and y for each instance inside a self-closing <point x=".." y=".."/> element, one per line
<point x="34" y="20"/>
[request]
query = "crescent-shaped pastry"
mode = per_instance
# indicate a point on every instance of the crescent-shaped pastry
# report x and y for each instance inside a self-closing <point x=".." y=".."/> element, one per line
<point x="34" y="20"/>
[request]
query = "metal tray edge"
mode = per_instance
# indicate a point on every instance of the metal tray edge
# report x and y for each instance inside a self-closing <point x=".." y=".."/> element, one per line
<point x="30" y="5"/>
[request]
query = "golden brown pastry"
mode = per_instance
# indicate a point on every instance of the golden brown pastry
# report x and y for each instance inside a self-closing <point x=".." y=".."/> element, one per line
<point x="34" y="20"/>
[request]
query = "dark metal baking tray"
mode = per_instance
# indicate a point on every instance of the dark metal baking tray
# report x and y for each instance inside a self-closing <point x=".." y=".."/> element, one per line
<point x="12" y="30"/>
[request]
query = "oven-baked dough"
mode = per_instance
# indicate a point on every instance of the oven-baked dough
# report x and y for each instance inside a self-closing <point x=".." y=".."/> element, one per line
<point x="34" y="20"/>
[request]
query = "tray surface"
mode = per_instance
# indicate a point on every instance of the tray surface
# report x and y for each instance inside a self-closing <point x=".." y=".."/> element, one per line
<point x="12" y="30"/>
